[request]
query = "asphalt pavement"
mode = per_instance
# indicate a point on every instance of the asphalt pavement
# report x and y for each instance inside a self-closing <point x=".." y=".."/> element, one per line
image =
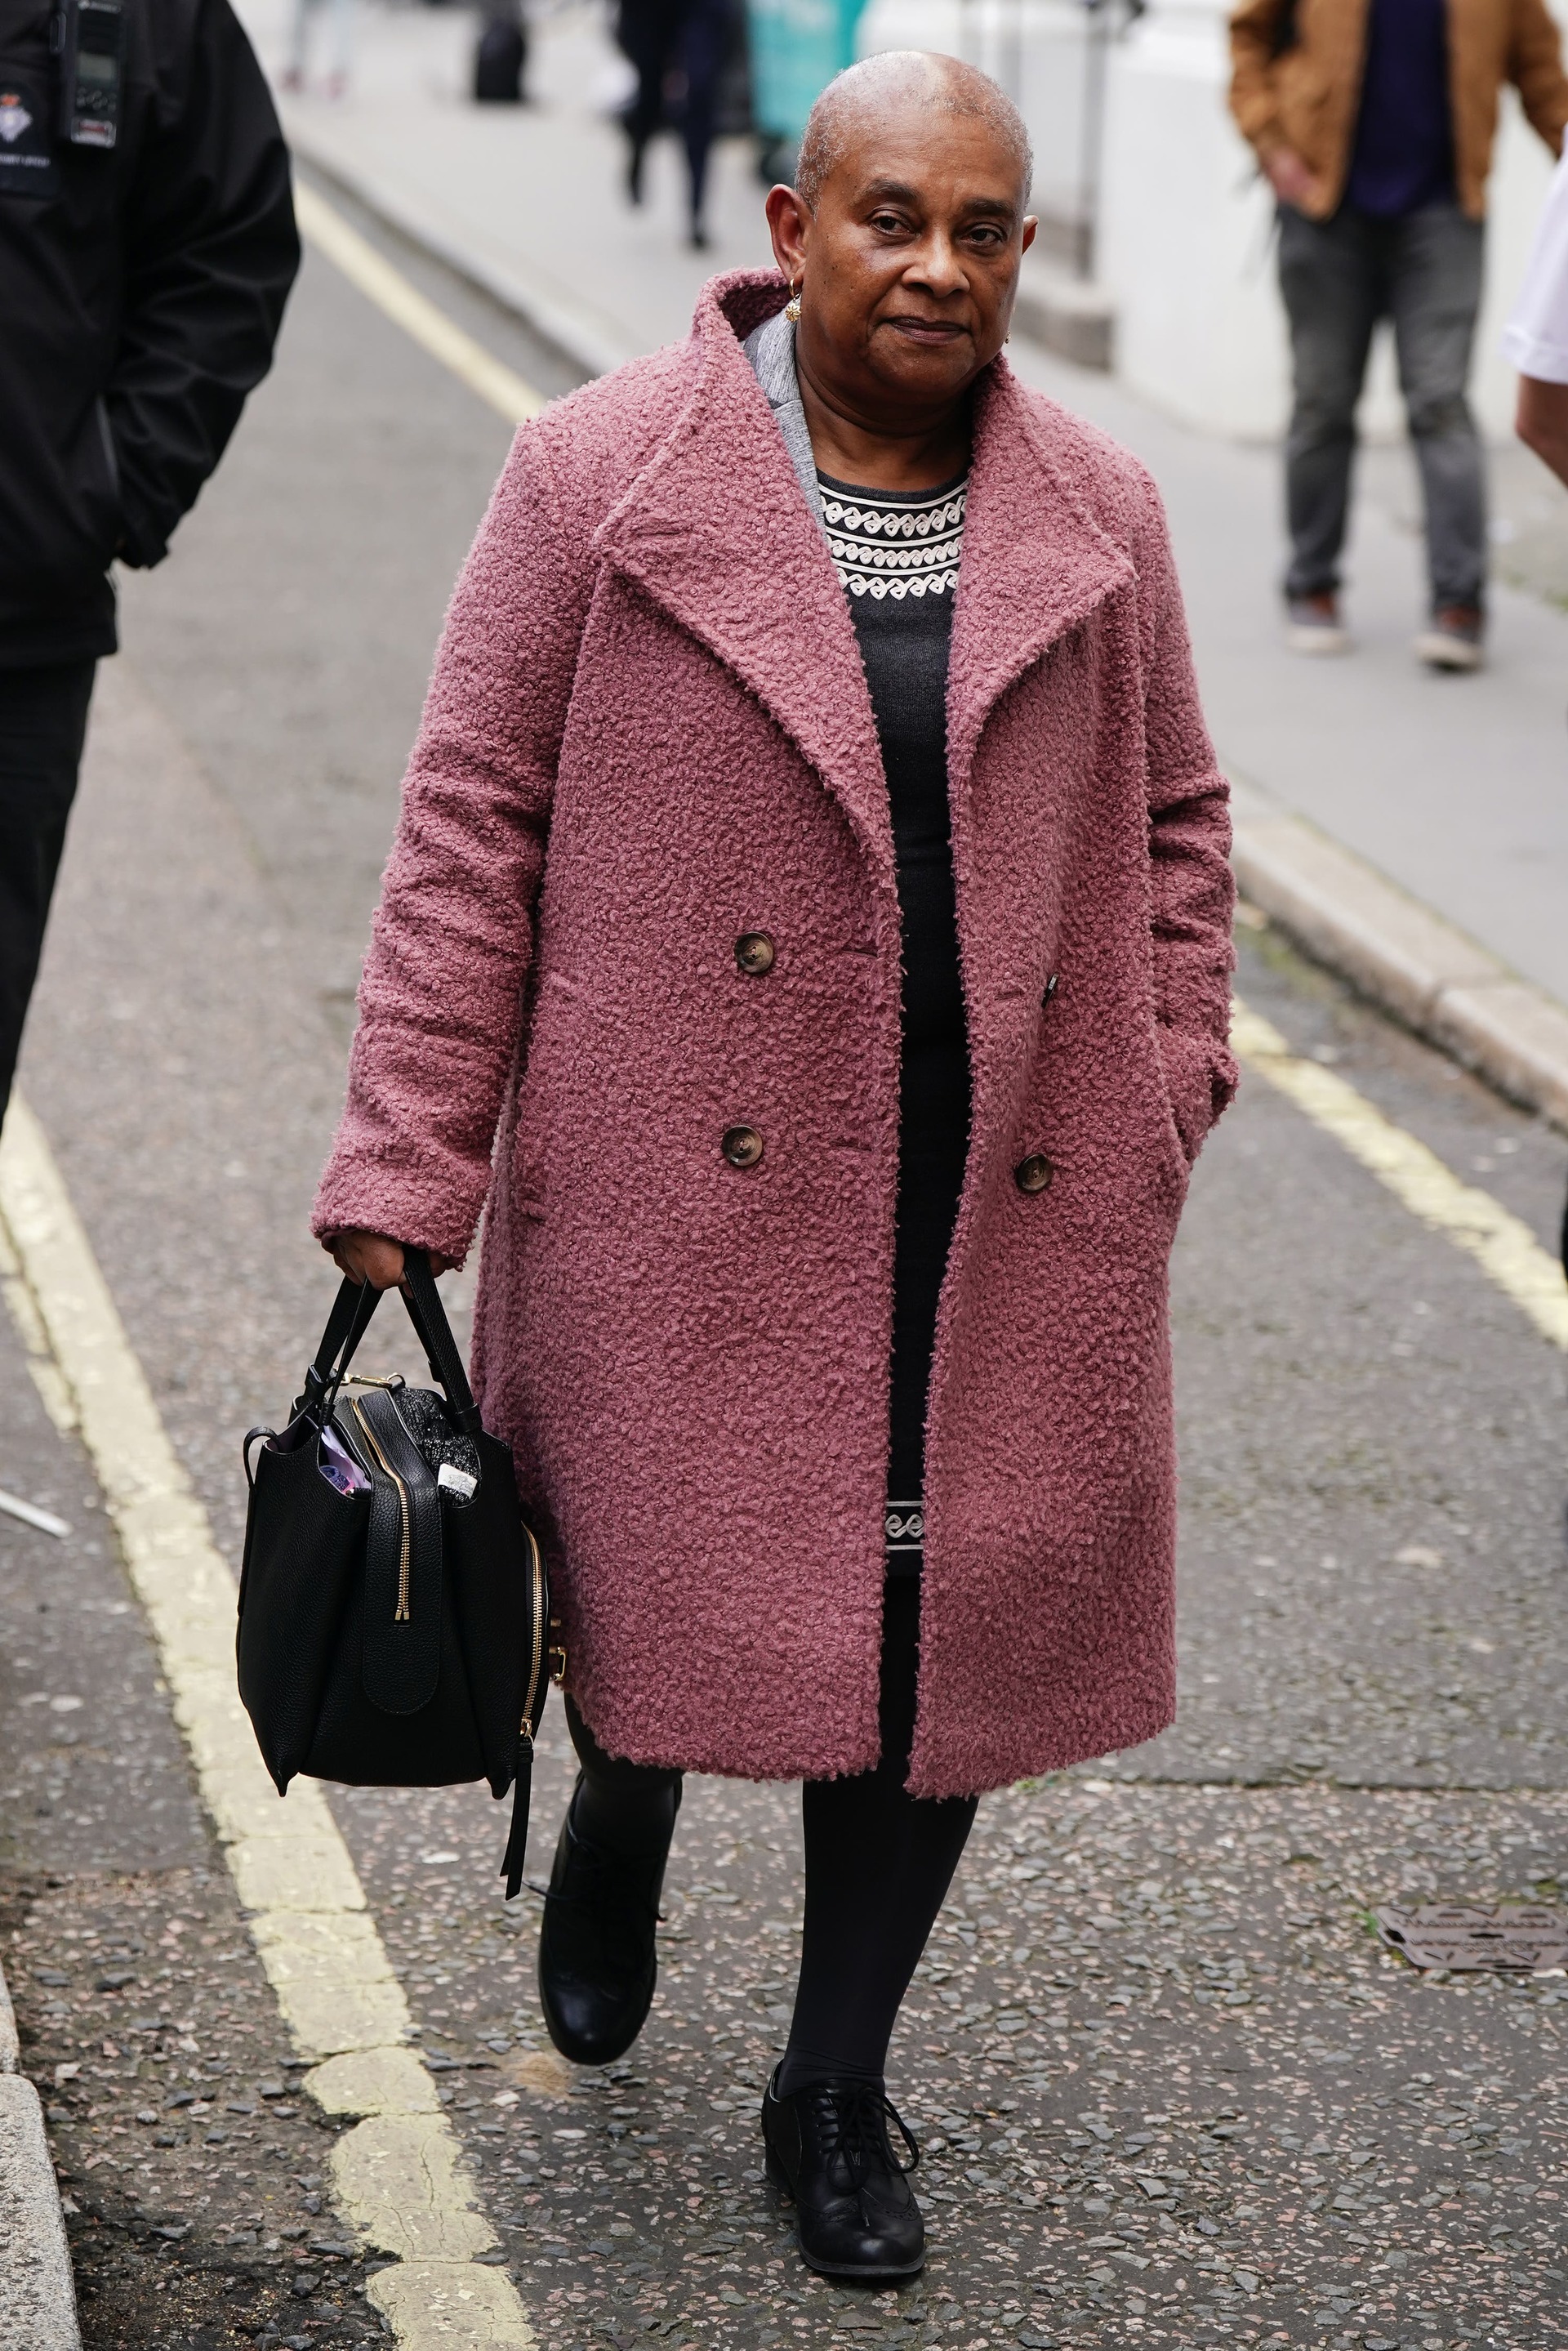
<point x="1171" y="2089"/>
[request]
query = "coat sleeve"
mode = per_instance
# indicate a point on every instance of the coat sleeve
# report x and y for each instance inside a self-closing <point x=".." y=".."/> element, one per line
<point x="1535" y="69"/>
<point x="1192" y="894"/>
<point x="442" y="992"/>
<point x="211" y="251"/>
<point x="1254" y="30"/>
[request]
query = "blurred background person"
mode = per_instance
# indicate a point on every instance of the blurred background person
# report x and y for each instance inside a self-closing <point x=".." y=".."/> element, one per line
<point x="1536" y="340"/>
<point x="144" y="264"/>
<point x="1536" y="337"/>
<point x="677" y="49"/>
<point x="1375" y="127"/>
<point x="338" y="16"/>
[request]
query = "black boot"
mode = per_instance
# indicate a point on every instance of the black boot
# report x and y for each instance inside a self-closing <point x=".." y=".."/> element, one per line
<point x="855" y="2213"/>
<point x="598" y="1963"/>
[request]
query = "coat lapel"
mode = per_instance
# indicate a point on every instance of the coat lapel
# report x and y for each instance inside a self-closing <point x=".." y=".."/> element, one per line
<point x="1035" y="561"/>
<point x="717" y="531"/>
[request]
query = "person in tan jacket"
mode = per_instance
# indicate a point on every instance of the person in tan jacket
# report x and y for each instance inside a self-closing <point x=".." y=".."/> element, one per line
<point x="1373" y="121"/>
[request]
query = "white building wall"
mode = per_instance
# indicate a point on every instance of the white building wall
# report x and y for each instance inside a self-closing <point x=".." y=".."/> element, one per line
<point x="1184" y="246"/>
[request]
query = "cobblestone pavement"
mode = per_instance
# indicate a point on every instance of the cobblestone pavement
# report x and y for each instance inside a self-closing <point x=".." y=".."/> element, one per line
<point x="1170" y="2089"/>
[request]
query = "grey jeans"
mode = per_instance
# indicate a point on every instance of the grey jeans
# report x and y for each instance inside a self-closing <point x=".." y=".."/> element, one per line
<point x="1338" y="278"/>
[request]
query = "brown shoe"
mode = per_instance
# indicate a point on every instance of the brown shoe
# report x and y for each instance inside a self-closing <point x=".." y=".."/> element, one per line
<point x="1312" y="625"/>
<point x="1454" y="639"/>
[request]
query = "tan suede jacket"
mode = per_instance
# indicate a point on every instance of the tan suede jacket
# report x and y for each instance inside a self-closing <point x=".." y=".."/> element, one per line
<point x="1309" y="96"/>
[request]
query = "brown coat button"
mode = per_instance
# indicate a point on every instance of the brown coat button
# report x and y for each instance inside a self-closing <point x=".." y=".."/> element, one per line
<point x="1033" y="1173"/>
<point x="754" y="952"/>
<point x="741" y="1145"/>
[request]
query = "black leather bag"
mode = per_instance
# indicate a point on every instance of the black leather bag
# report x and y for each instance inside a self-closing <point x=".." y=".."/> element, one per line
<point x="394" y="1613"/>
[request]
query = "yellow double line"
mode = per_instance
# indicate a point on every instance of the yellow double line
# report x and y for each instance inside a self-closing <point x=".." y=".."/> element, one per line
<point x="1502" y="1245"/>
<point x="357" y="260"/>
<point x="400" y="2176"/>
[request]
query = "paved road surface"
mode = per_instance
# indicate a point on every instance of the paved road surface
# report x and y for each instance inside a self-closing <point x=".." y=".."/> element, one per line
<point x="1171" y="2091"/>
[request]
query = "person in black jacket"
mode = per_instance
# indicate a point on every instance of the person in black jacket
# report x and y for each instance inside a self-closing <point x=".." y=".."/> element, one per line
<point x="141" y="288"/>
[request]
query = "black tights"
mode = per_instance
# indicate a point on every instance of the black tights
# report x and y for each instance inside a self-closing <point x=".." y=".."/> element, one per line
<point x="879" y="1863"/>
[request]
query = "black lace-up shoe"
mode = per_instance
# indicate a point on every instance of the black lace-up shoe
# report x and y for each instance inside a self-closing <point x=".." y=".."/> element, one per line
<point x="598" y="1963"/>
<point x="855" y="2213"/>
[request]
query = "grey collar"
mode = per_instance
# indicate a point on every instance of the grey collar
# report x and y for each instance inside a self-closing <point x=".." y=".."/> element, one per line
<point x="771" y="350"/>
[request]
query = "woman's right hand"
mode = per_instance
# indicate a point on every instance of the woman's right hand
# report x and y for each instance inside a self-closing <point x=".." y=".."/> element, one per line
<point x="372" y="1257"/>
<point x="1293" y="180"/>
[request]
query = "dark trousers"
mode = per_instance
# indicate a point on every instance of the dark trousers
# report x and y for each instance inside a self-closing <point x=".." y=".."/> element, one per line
<point x="1338" y="278"/>
<point x="879" y="1863"/>
<point x="43" y="720"/>
<point x="661" y="37"/>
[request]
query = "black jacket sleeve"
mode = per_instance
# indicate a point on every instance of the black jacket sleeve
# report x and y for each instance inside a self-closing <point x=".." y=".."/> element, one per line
<point x="211" y="251"/>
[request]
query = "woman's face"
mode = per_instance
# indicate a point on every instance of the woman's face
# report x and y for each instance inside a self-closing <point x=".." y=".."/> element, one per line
<point x="908" y="267"/>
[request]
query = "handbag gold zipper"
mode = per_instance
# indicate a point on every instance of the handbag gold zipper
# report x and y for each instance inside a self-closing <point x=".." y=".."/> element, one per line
<point x="538" y="1613"/>
<point x="401" y="1615"/>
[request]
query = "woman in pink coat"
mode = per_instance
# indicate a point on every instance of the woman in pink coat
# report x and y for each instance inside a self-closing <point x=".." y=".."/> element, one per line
<point x="807" y="938"/>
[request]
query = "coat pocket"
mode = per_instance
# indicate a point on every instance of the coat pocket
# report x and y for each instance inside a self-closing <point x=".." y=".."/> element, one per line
<point x="546" y="1084"/>
<point x="1197" y="1083"/>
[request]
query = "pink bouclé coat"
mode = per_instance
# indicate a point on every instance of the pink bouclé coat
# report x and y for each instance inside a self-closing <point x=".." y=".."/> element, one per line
<point x="649" y="733"/>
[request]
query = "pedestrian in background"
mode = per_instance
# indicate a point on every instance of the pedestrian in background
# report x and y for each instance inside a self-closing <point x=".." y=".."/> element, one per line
<point x="1373" y="121"/>
<point x="676" y="48"/>
<point x="824" y="1294"/>
<point x="338" y="18"/>
<point x="142" y="280"/>
<point x="1536" y="337"/>
<point x="1536" y="340"/>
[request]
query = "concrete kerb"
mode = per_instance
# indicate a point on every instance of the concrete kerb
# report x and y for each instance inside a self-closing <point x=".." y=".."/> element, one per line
<point x="10" y="2048"/>
<point x="1400" y="954"/>
<point x="37" y="2292"/>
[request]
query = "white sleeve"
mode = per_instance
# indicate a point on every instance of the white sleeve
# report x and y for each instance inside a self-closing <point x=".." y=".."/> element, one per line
<point x="1536" y="337"/>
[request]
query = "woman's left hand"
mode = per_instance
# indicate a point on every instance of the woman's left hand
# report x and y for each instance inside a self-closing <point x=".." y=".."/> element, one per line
<point x="373" y="1257"/>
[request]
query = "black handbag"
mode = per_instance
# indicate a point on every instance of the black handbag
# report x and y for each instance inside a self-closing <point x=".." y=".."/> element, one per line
<point x="394" y="1614"/>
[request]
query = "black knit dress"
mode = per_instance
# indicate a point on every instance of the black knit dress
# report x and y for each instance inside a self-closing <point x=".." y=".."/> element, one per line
<point x="898" y="558"/>
<point x="878" y="1861"/>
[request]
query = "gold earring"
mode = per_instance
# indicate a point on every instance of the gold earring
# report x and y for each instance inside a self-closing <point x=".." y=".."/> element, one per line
<point x="792" y="308"/>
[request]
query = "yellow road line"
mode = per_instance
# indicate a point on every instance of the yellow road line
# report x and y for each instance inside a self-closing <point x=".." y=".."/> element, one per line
<point x="1501" y="1244"/>
<point x="400" y="2175"/>
<point x="373" y="274"/>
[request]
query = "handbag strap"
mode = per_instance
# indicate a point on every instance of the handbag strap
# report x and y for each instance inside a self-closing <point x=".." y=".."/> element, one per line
<point x="428" y="1316"/>
<point x="346" y="1325"/>
<point x="350" y="1317"/>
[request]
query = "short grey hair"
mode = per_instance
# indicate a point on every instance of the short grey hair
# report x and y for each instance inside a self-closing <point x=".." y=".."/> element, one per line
<point x="915" y="77"/>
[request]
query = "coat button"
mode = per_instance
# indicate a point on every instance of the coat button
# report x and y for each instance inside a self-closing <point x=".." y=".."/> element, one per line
<point x="1031" y="1174"/>
<point x="754" y="952"/>
<point x="1051" y="986"/>
<point x="741" y="1145"/>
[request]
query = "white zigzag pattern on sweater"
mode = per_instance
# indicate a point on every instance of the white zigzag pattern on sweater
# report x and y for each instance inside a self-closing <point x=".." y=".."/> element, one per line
<point x="896" y="550"/>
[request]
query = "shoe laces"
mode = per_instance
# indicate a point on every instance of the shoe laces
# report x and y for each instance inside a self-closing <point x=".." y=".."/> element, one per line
<point x="851" y="2120"/>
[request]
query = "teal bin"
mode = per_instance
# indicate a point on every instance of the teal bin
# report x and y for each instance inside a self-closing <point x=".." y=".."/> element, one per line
<point x="797" y="47"/>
